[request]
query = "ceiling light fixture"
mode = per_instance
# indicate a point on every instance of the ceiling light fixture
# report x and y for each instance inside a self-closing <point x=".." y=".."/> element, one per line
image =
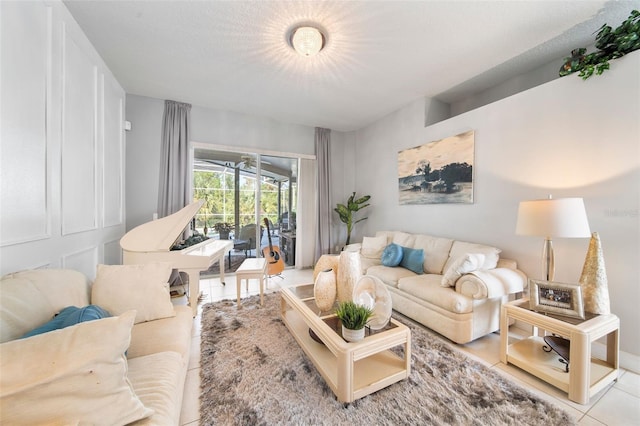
<point x="307" y="40"/>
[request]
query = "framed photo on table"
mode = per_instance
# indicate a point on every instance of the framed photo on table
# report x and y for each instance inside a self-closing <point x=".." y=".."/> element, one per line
<point x="556" y="298"/>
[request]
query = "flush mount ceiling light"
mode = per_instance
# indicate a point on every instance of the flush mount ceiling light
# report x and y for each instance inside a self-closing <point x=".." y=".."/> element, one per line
<point x="307" y="40"/>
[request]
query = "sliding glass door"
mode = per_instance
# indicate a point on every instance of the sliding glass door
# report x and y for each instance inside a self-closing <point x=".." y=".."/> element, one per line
<point x="232" y="184"/>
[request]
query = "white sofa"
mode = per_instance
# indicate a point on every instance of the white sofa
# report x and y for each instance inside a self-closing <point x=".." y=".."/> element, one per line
<point x="467" y="310"/>
<point x="129" y="368"/>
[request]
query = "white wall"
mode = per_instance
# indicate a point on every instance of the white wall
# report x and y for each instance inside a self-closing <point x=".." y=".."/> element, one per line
<point x="208" y="126"/>
<point x="61" y="144"/>
<point x="567" y="137"/>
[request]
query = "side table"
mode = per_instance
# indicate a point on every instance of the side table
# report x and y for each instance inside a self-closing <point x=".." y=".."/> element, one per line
<point x="587" y="375"/>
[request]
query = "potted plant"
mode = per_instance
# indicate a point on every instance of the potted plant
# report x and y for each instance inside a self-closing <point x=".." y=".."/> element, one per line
<point x="223" y="228"/>
<point x="346" y="212"/>
<point x="353" y="317"/>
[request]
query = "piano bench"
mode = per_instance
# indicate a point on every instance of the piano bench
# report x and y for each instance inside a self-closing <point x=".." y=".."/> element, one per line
<point x="254" y="268"/>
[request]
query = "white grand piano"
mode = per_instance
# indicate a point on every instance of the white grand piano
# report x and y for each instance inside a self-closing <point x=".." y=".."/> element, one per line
<point x="152" y="242"/>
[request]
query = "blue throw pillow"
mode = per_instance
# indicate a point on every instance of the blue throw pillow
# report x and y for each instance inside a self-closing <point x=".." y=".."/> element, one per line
<point x="392" y="255"/>
<point x="69" y="316"/>
<point x="413" y="259"/>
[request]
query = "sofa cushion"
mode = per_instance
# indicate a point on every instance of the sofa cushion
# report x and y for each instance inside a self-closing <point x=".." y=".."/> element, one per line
<point x="403" y="239"/>
<point x="163" y="335"/>
<point x="31" y="298"/>
<point x="463" y="265"/>
<point x="427" y="287"/>
<point x="413" y="259"/>
<point x="76" y="375"/>
<point x="372" y="247"/>
<point x="392" y="255"/>
<point x="460" y="248"/>
<point x="436" y="252"/>
<point x="389" y="275"/>
<point x="119" y="288"/>
<point x="158" y="380"/>
<point x="71" y="315"/>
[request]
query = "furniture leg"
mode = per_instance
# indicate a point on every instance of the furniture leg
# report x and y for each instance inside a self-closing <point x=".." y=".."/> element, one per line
<point x="579" y="368"/>
<point x="221" y="264"/>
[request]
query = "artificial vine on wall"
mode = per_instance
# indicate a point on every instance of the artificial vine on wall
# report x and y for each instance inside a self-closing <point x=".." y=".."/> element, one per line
<point x="610" y="44"/>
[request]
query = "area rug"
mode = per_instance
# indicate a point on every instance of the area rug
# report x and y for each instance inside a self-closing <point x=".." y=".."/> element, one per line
<point x="254" y="373"/>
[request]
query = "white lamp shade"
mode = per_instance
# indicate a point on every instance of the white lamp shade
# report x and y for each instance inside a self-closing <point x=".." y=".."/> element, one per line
<point x="559" y="218"/>
<point x="307" y="41"/>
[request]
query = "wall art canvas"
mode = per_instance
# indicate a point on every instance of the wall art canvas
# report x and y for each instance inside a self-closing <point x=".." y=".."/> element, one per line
<point x="437" y="172"/>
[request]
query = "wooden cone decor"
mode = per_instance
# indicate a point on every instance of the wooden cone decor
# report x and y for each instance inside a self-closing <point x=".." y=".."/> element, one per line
<point x="593" y="280"/>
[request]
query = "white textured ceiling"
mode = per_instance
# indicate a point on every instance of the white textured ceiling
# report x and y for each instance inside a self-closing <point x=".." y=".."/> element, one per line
<point x="379" y="56"/>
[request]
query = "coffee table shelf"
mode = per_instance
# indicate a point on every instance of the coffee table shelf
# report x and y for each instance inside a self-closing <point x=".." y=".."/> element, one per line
<point x="351" y="370"/>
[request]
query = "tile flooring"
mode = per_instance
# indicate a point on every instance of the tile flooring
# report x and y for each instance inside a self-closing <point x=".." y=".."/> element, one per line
<point x="618" y="404"/>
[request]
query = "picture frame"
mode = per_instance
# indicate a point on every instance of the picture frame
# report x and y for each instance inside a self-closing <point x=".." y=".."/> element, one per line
<point x="556" y="298"/>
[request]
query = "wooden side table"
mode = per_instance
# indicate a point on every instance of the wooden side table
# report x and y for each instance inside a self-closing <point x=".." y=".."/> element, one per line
<point x="254" y="268"/>
<point x="587" y="375"/>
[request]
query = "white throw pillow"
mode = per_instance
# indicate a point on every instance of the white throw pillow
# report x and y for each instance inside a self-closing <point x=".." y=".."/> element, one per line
<point x="119" y="288"/>
<point x="372" y="247"/>
<point x="75" y="375"/>
<point x="460" y="248"/>
<point x="462" y="265"/>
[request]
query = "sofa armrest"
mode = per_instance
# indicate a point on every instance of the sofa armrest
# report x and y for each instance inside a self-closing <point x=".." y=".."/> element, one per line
<point x="496" y="282"/>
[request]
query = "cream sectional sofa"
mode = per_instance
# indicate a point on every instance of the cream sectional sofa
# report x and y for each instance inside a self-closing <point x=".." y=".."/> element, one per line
<point x="129" y="368"/>
<point x="460" y="291"/>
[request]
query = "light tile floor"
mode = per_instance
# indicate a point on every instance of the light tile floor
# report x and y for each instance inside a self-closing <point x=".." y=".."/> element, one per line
<point x="618" y="404"/>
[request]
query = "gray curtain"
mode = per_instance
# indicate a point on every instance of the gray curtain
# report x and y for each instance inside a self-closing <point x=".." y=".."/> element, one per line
<point x="323" y="240"/>
<point x="173" y="191"/>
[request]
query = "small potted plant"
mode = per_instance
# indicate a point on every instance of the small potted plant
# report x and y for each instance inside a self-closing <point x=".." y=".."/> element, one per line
<point x="353" y="317"/>
<point x="223" y="228"/>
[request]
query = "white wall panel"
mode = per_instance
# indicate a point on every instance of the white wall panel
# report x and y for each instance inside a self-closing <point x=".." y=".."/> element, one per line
<point x="112" y="253"/>
<point x="61" y="146"/>
<point x="113" y="154"/>
<point x="79" y="138"/>
<point x="24" y="210"/>
<point x="84" y="261"/>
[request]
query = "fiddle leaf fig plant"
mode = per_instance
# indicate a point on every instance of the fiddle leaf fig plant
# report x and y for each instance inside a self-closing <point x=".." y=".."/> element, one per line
<point x="345" y="212"/>
<point x="611" y="44"/>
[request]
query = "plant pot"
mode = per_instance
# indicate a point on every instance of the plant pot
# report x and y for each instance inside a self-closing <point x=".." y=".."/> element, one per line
<point x="224" y="235"/>
<point x="352" y="335"/>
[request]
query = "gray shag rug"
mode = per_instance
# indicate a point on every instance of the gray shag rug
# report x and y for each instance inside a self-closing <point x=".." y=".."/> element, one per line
<point x="254" y="373"/>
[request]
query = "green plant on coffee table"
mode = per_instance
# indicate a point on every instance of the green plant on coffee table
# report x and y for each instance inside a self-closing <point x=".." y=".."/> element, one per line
<point x="352" y="315"/>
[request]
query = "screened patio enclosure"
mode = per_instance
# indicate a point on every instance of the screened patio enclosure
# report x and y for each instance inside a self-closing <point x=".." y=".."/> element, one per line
<point x="232" y="184"/>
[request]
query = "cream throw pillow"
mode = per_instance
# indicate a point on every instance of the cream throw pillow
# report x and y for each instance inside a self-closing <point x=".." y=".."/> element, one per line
<point x="75" y="375"/>
<point x="462" y="265"/>
<point x="119" y="288"/>
<point x="372" y="247"/>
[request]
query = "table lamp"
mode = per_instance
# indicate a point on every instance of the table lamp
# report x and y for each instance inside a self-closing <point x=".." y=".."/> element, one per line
<point x="552" y="218"/>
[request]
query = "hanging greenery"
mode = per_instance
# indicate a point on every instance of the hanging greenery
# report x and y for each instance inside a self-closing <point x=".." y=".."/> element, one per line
<point x="610" y="44"/>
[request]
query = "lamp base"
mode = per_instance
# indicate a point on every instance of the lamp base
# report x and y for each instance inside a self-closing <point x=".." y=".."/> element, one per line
<point x="548" y="261"/>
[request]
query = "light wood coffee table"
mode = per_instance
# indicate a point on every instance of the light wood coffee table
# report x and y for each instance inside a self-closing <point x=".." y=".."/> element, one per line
<point x="351" y="369"/>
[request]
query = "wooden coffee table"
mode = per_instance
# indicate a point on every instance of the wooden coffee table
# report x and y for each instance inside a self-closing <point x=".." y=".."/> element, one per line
<point x="351" y="369"/>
